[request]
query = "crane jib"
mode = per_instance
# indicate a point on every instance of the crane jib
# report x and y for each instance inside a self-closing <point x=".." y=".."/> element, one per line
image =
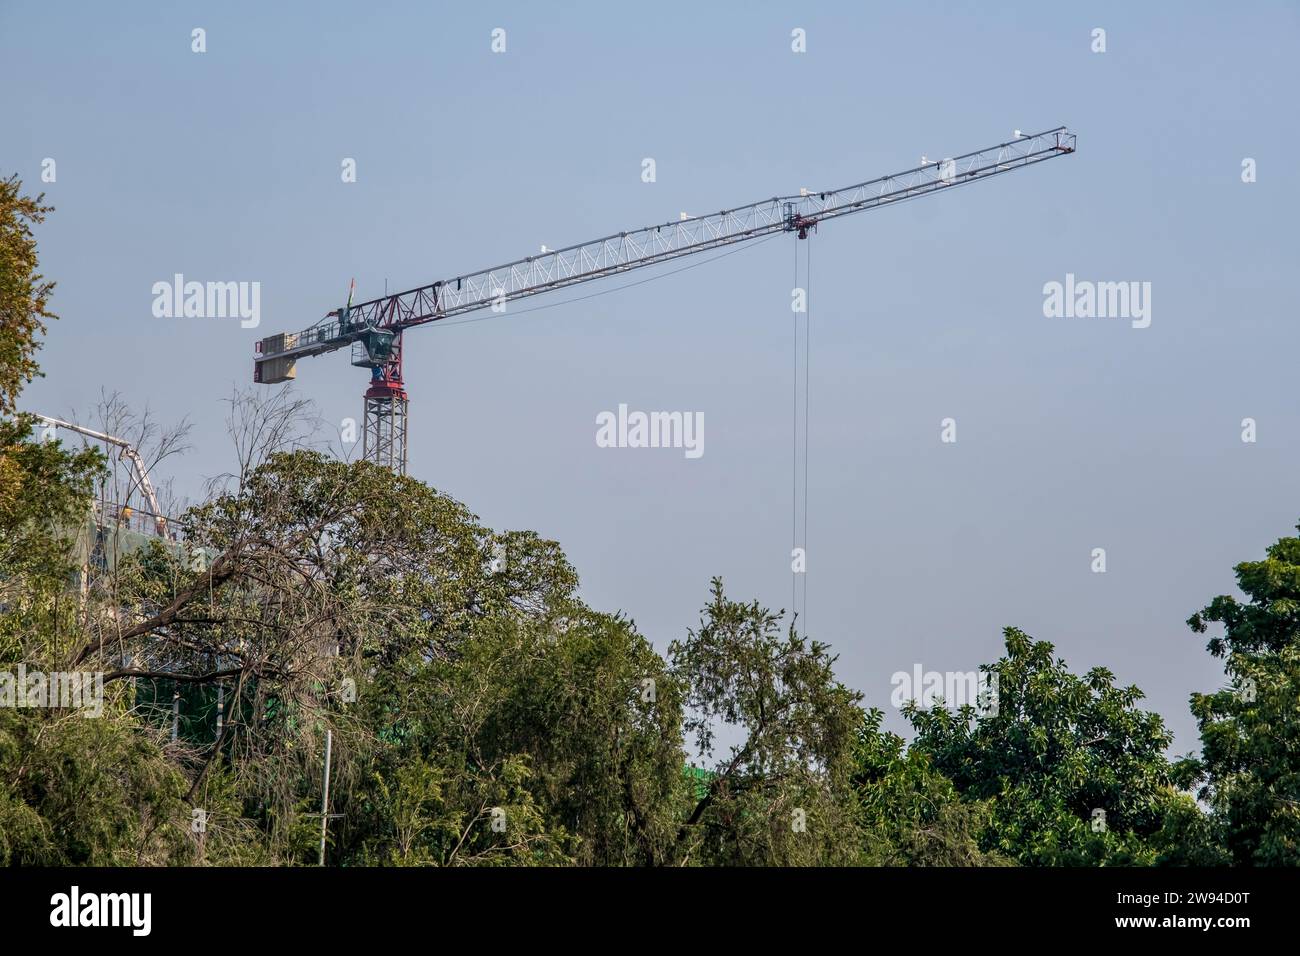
<point x="624" y="251"/>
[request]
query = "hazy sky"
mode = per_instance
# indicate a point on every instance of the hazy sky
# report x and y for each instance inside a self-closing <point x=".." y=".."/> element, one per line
<point x="1072" y="434"/>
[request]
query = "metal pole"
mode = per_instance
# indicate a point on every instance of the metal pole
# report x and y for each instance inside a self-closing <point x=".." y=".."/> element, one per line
<point x="325" y="796"/>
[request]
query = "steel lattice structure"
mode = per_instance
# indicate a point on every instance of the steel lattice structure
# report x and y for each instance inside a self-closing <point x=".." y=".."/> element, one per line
<point x="373" y="329"/>
<point x="384" y="440"/>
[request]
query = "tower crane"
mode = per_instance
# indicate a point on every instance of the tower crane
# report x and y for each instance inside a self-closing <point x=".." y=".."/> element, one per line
<point x="374" y="329"/>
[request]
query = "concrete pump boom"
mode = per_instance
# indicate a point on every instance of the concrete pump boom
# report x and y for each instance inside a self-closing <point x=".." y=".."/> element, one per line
<point x="129" y="453"/>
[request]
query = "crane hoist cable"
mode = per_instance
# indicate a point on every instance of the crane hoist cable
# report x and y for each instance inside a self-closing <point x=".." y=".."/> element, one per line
<point x="799" y="439"/>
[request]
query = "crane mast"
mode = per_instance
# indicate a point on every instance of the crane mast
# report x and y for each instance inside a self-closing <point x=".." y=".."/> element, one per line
<point x="373" y="329"/>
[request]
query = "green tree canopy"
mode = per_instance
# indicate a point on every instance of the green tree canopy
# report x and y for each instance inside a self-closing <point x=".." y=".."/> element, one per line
<point x="1060" y="752"/>
<point x="1250" y="730"/>
<point x="24" y="292"/>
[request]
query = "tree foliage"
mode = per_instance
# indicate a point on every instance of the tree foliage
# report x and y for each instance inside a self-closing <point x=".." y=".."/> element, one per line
<point x="1250" y="729"/>
<point x="909" y="812"/>
<point x="24" y="292"/>
<point x="779" y="795"/>
<point x="1075" y="771"/>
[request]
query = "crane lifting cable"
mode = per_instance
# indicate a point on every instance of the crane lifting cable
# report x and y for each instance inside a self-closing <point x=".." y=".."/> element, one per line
<point x="799" y="432"/>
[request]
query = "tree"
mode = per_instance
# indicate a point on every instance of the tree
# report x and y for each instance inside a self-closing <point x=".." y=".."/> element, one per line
<point x="553" y="727"/>
<point x="782" y="795"/>
<point x="1075" y="772"/>
<point x="24" y="293"/>
<point x="306" y="577"/>
<point x="1250" y="730"/>
<point x="910" y="814"/>
<point x="73" y="791"/>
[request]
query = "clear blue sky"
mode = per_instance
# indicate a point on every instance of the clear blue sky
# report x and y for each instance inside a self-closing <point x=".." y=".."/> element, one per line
<point x="1072" y="434"/>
